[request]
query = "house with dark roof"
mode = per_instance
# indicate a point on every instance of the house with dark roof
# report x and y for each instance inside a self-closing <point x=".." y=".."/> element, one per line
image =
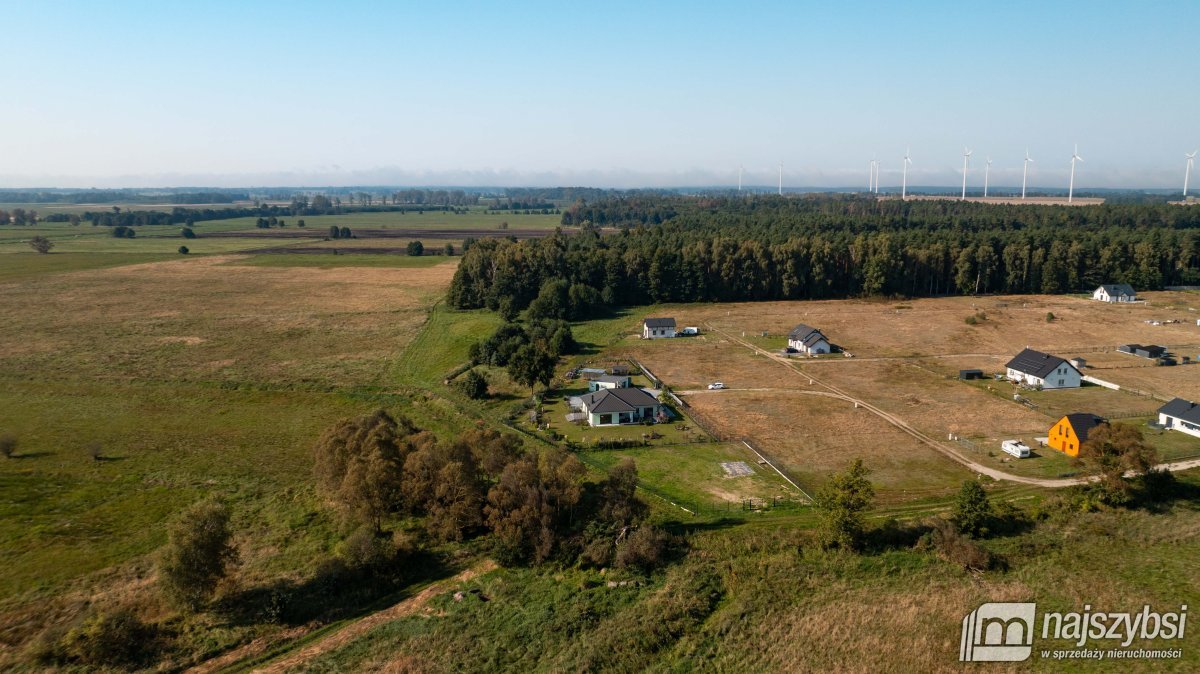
<point x="1071" y="431"/>
<point x="1180" y="415"/>
<point x="1034" y="368"/>
<point x="807" y="339"/>
<point x="657" y="328"/>
<point x="1115" y="292"/>
<point x="611" y="407"/>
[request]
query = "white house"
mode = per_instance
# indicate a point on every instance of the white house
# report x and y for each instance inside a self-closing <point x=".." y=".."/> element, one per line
<point x="1115" y="292"/>
<point x="1180" y="415"/>
<point x="807" y="339"/>
<point x="613" y="406"/>
<point x="656" y="328"/>
<point x="609" y="381"/>
<point x="1035" y="368"/>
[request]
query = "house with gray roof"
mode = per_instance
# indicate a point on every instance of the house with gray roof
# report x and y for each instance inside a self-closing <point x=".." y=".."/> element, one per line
<point x="614" y="406"/>
<point x="1180" y="415"/>
<point x="1115" y="292"/>
<point x="807" y="339"/>
<point x="658" y="328"/>
<point x="1034" y="368"/>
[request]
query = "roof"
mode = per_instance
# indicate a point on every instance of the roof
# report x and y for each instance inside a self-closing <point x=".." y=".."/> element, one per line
<point x="612" y="378"/>
<point x="1083" y="422"/>
<point x="802" y="332"/>
<point x="1118" y="289"/>
<point x="659" y="322"/>
<point x="1182" y="409"/>
<point x="1037" y="363"/>
<point x="617" y="400"/>
<point x="1152" y="350"/>
<point x="814" y="338"/>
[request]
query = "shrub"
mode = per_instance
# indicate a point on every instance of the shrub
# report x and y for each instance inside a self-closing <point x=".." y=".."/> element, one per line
<point x="972" y="511"/>
<point x="115" y="639"/>
<point x="183" y="250"/>
<point x="8" y="445"/>
<point x="1050" y="316"/>
<point x="187" y="233"/>
<point x="959" y="549"/>
<point x="197" y="554"/>
<point x="415" y="248"/>
<point x="41" y="244"/>
<point x="448" y="249"/>
<point x="366" y="549"/>
<point x="971" y="320"/>
<point x="645" y="549"/>
<point x="472" y="384"/>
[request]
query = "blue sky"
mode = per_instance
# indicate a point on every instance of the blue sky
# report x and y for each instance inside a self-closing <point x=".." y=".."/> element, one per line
<point x="614" y="94"/>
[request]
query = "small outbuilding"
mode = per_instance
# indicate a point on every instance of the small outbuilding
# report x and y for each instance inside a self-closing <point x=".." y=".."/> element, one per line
<point x="1151" y="351"/>
<point x="1180" y="415"/>
<point x="609" y="381"/>
<point x="1071" y="431"/>
<point x="658" y="328"/>
<point x="1115" y="292"/>
<point x="970" y="374"/>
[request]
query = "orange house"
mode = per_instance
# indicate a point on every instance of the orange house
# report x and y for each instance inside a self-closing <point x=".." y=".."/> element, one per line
<point x="1072" y="431"/>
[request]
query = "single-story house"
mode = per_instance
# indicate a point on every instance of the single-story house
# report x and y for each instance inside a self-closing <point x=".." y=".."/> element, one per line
<point x="1072" y="431"/>
<point x="1180" y="415"/>
<point x="1035" y="368"/>
<point x="656" y="328"/>
<point x="609" y="381"/>
<point x="807" y="339"/>
<point x="1115" y="292"/>
<point x="1148" y="351"/>
<point x="613" y="406"/>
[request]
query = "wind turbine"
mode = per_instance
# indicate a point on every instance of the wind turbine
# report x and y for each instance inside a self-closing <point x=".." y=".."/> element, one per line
<point x="1071" y="189"/>
<point x="1025" y="174"/>
<point x="986" y="170"/>
<point x="904" y="179"/>
<point x="781" y="179"/>
<point x="966" y="159"/>
<point x="871" y="176"/>
<point x="740" y="167"/>
<point x="876" y="177"/>
<point x="1191" y="159"/>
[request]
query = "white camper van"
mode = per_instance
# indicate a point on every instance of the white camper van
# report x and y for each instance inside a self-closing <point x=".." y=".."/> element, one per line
<point x="1016" y="448"/>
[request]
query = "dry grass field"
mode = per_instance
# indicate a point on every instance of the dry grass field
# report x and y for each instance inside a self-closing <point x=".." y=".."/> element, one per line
<point x="813" y="436"/>
<point x="212" y="319"/>
<point x="906" y="358"/>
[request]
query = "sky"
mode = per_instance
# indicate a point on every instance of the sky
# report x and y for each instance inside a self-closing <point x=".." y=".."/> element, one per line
<point x="609" y="94"/>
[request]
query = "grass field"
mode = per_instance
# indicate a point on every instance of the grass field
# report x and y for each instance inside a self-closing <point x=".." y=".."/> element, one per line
<point x="329" y="261"/>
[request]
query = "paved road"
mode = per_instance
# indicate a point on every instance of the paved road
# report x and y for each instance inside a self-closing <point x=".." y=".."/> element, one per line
<point x="925" y="438"/>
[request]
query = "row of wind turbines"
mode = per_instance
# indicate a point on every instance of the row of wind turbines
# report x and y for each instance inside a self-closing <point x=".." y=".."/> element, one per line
<point x="873" y="174"/>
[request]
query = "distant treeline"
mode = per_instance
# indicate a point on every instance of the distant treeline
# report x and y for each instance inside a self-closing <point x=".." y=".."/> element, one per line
<point x="189" y="216"/>
<point x="765" y="248"/>
<point x="121" y="196"/>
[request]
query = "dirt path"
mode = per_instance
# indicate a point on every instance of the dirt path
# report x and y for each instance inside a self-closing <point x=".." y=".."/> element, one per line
<point x="342" y="636"/>
<point x="926" y="439"/>
<point x="360" y="627"/>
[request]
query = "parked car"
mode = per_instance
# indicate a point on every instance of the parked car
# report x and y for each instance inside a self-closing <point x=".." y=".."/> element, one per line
<point x="1016" y="448"/>
<point x="716" y="386"/>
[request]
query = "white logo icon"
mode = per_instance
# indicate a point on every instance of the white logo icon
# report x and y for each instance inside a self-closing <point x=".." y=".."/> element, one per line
<point x="998" y="632"/>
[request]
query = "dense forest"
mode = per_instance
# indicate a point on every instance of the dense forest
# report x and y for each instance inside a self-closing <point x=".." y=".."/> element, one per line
<point x="675" y="249"/>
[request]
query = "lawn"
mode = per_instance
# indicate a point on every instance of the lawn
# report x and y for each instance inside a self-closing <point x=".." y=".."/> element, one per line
<point x="691" y="475"/>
